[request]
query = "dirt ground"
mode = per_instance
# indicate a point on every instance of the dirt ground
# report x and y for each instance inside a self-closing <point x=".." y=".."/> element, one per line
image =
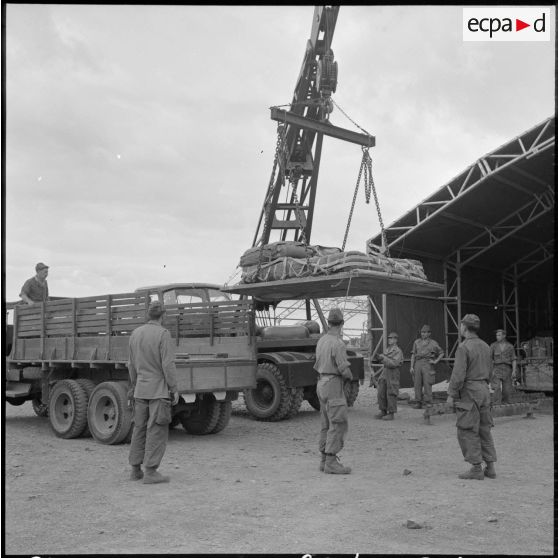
<point x="255" y="488"/>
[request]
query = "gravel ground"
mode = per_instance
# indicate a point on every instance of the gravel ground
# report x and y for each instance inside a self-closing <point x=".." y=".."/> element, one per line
<point x="255" y="487"/>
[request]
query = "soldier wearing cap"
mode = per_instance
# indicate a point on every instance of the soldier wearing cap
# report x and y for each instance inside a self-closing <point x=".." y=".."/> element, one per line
<point x="153" y="384"/>
<point x="36" y="289"/>
<point x="333" y="368"/>
<point x="504" y="368"/>
<point x="426" y="352"/>
<point x="388" y="383"/>
<point x="468" y="392"/>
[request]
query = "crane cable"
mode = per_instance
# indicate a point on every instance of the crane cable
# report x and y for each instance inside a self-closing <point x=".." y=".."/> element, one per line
<point x="369" y="188"/>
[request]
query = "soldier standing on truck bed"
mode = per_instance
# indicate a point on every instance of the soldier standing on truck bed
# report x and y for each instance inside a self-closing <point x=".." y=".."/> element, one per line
<point x="504" y="367"/>
<point x="334" y="368"/>
<point x="153" y="383"/>
<point x="36" y="289"/>
<point x="468" y="391"/>
<point x="426" y="352"/>
<point x="388" y="383"/>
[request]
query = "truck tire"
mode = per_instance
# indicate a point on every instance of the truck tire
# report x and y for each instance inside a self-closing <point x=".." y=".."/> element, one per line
<point x="312" y="397"/>
<point x="351" y="392"/>
<point x="109" y="418"/>
<point x="67" y="409"/>
<point x="40" y="408"/>
<point x="271" y="399"/>
<point x="203" y="420"/>
<point x="88" y="386"/>
<point x="296" y="401"/>
<point x="225" y="409"/>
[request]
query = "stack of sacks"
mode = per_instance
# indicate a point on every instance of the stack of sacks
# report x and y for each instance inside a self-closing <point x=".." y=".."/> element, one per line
<point x="290" y="259"/>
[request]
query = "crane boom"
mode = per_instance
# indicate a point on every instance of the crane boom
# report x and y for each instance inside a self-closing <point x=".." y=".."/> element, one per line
<point x="302" y="130"/>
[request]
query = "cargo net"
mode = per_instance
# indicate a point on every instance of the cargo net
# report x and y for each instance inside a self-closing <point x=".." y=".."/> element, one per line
<point x="291" y="259"/>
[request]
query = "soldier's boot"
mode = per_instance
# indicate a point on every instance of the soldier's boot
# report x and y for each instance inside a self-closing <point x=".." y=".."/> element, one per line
<point x="389" y="416"/>
<point x="380" y="415"/>
<point x="152" y="476"/>
<point x="489" y="470"/>
<point x="322" y="461"/>
<point x="334" y="466"/>
<point x="475" y="472"/>
<point x="136" y="473"/>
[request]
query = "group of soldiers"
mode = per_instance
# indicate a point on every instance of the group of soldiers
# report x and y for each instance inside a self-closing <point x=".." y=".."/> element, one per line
<point x="478" y="372"/>
<point x="481" y="376"/>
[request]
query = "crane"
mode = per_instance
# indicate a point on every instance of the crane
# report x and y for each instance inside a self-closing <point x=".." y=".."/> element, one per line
<point x="300" y="138"/>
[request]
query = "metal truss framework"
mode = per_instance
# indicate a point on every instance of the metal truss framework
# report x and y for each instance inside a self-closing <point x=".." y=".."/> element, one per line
<point x="541" y="138"/>
<point x="490" y="165"/>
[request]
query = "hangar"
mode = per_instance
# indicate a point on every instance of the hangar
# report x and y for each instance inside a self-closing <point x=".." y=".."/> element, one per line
<point x="488" y="237"/>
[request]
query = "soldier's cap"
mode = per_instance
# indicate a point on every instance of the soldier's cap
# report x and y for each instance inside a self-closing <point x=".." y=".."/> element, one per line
<point x="40" y="266"/>
<point x="502" y="331"/>
<point x="425" y="328"/>
<point x="335" y="316"/>
<point x="471" y="320"/>
<point x="155" y="310"/>
<point x="393" y="334"/>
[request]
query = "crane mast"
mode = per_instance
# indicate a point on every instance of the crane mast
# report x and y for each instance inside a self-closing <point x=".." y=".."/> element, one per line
<point x="301" y="131"/>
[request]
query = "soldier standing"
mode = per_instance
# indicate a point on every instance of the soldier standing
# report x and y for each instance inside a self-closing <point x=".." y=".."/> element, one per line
<point x="504" y="367"/>
<point x="388" y="383"/>
<point x="334" y="368"/>
<point x="153" y="383"/>
<point x="426" y="352"/>
<point x="468" y="391"/>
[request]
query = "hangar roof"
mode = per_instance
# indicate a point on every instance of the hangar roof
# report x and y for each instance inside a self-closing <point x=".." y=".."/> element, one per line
<point x="498" y="214"/>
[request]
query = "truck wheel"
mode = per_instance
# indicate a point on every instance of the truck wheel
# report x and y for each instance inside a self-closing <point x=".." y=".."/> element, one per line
<point x="40" y="408"/>
<point x="351" y="392"/>
<point x="204" y="418"/>
<point x="67" y="409"/>
<point x="88" y="386"/>
<point x="270" y="400"/>
<point x="108" y="415"/>
<point x="312" y="397"/>
<point x="296" y="401"/>
<point x="225" y="409"/>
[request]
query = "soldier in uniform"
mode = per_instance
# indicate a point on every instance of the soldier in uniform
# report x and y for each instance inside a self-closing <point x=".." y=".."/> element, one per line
<point x="426" y="352"/>
<point x="468" y="391"/>
<point x="504" y="368"/>
<point x="334" y="368"/>
<point x="153" y="384"/>
<point x="388" y="383"/>
<point x="36" y="289"/>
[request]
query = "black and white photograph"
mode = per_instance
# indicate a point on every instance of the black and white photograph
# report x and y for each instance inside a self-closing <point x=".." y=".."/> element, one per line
<point x="278" y="279"/>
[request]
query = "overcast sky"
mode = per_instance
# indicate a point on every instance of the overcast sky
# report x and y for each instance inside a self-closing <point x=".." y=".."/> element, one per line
<point x="139" y="144"/>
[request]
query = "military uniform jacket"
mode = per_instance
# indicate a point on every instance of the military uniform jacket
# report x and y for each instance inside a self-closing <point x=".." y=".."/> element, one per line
<point x="502" y="353"/>
<point x="393" y="357"/>
<point x="151" y="363"/>
<point x="35" y="290"/>
<point x="472" y="364"/>
<point x="331" y="355"/>
<point x="426" y="349"/>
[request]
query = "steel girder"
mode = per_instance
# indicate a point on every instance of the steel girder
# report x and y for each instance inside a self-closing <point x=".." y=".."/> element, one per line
<point x="491" y="165"/>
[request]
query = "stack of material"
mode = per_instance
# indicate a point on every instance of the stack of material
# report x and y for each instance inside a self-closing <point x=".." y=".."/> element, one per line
<point x="289" y="259"/>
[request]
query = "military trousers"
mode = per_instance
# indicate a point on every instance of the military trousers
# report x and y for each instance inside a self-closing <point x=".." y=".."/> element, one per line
<point x="425" y="377"/>
<point x="474" y="423"/>
<point x="388" y="390"/>
<point x="501" y="383"/>
<point x="151" y="431"/>
<point x="334" y="415"/>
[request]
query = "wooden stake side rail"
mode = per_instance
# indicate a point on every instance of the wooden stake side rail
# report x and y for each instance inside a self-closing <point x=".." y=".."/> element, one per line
<point x="97" y="329"/>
